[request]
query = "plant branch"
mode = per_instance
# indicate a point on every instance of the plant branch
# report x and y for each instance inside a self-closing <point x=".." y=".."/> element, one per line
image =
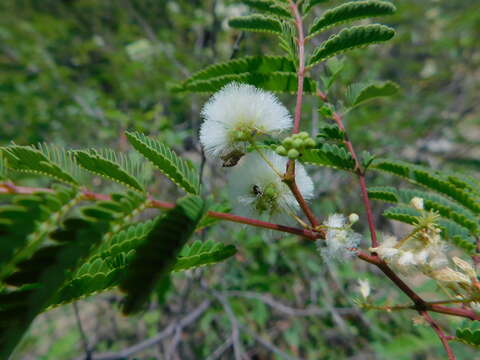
<point x="83" y="336"/>
<point x="301" y="65"/>
<point x="301" y="201"/>
<point x="169" y="330"/>
<point x="441" y="335"/>
<point x="361" y="178"/>
<point x="419" y="303"/>
<point x="289" y="177"/>
<point x="8" y="188"/>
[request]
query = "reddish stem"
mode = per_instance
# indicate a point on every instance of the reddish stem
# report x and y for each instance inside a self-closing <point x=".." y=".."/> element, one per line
<point x="419" y="304"/>
<point x="361" y="176"/>
<point x="312" y="235"/>
<point x="368" y="209"/>
<point x="301" y="65"/>
<point x="290" y="173"/>
<point x="441" y="335"/>
<point x="301" y="201"/>
<point x="374" y="259"/>
<point x="456" y="311"/>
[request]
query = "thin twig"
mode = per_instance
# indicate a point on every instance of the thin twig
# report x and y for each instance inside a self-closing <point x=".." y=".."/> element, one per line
<point x="169" y="330"/>
<point x="268" y="345"/>
<point x="237" y="345"/>
<point x="441" y="335"/>
<point x="221" y="349"/>
<point x="309" y="311"/>
<point x="83" y="336"/>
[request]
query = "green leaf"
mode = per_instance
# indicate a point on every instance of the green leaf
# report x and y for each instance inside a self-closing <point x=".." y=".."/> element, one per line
<point x="3" y="167"/>
<point x="367" y="159"/>
<point x="428" y="178"/>
<point x="383" y="193"/>
<point x="470" y="335"/>
<point x="109" y="165"/>
<point x="109" y="264"/>
<point x="334" y="67"/>
<point x="451" y="231"/>
<point x="34" y="218"/>
<point x="31" y="160"/>
<point x="202" y="254"/>
<point x="329" y="155"/>
<point x="309" y="4"/>
<point x="244" y="65"/>
<point x="256" y="23"/>
<point x="180" y="171"/>
<point x="106" y="267"/>
<point x="208" y="220"/>
<point x="361" y="93"/>
<point x="444" y="207"/>
<point x="268" y="6"/>
<point x="156" y="256"/>
<point x="282" y="82"/>
<point x="350" y="11"/>
<point x="349" y="39"/>
<point x="48" y="269"/>
<point x="331" y="132"/>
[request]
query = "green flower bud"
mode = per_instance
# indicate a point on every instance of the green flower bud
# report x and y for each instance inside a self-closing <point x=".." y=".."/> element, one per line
<point x="298" y="144"/>
<point x="280" y="150"/>
<point x="303" y="135"/>
<point x="293" y="154"/>
<point x="310" y="143"/>
<point x="287" y="142"/>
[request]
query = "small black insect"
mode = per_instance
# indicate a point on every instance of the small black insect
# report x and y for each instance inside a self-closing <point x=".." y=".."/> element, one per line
<point x="256" y="190"/>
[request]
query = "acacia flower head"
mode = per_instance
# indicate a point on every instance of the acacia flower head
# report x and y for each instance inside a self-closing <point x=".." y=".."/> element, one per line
<point x="258" y="191"/>
<point x="340" y="240"/>
<point x="235" y="115"/>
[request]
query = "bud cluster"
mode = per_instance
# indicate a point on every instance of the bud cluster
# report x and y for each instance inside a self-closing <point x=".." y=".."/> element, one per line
<point x="294" y="145"/>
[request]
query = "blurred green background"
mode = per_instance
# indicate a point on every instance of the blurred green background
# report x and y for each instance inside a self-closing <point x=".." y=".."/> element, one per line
<point x="78" y="73"/>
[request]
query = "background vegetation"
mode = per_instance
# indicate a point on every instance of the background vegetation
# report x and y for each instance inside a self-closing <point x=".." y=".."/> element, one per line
<point x="79" y="73"/>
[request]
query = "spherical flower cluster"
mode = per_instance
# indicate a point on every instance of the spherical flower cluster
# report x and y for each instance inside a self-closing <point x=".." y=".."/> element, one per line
<point x="235" y="115"/>
<point x="341" y="241"/>
<point x="260" y="192"/>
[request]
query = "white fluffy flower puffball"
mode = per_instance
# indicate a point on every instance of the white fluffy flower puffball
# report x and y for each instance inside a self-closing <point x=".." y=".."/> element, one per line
<point x="235" y="114"/>
<point x="340" y="241"/>
<point x="256" y="190"/>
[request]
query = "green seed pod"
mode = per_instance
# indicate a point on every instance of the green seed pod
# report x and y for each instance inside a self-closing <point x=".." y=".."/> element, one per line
<point x="298" y="144"/>
<point x="280" y="150"/>
<point x="287" y="142"/>
<point x="310" y="143"/>
<point x="293" y="154"/>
